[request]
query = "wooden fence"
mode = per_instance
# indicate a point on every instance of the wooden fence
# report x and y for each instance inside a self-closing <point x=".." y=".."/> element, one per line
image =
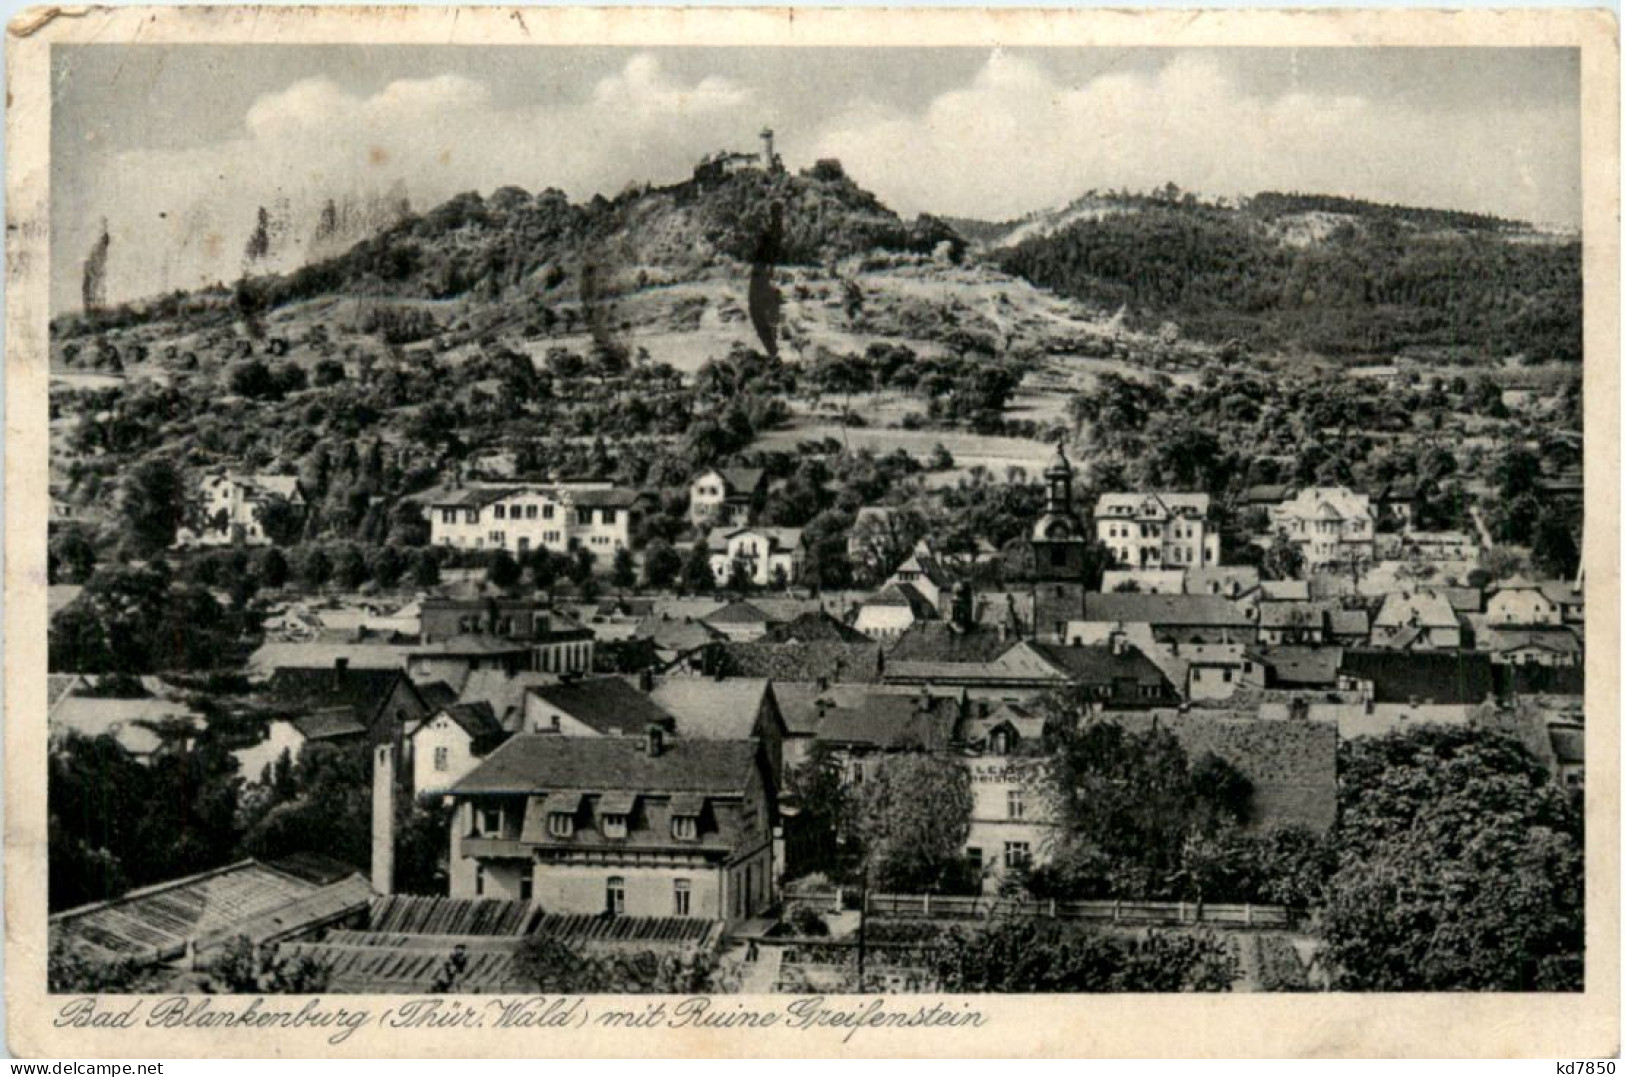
<point x="943" y="907"/>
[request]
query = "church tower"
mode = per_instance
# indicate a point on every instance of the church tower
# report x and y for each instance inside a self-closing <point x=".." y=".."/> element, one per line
<point x="1058" y="538"/>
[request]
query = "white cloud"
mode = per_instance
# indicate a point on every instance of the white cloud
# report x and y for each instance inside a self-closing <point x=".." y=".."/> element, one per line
<point x="1013" y="138"/>
<point x="181" y="218"/>
<point x="1016" y="139"/>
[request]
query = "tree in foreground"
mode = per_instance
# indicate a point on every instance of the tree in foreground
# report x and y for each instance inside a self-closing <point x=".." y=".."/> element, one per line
<point x="1461" y="868"/>
<point x="1030" y="954"/>
<point x="913" y="819"/>
<point x="554" y="967"/>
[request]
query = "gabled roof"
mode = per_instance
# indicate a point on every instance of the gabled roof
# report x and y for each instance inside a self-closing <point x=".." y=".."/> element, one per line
<point x="437" y="694"/>
<point x="889" y="723"/>
<point x="737" y="480"/>
<point x="944" y="641"/>
<point x="815" y="626"/>
<point x="363" y="691"/>
<point x="712" y="709"/>
<point x="504" y="692"/>
<point x="1423" y="609"/>
<point x="1296" y="666"/>
<point x="1153" y="505"/>
<point x="329" y="725"/>
<point x="676" y="634"/>
<point x="1439" y="676"/>
<point x="607" y="704"/>
<point x="779" y="539"/>
<point x="903" y="595"/>
<point x="851" y="662"/>
<point x="532" y="764"/>
<point x="1097" y="664"/>
<point x="737" y="613"/>
<point x="603" y="498"/>
<point x="1555" y="640"/>
<point x="1563" y="593"/>
<point x="1213" y="611"/>
<point x="478" y="720"/>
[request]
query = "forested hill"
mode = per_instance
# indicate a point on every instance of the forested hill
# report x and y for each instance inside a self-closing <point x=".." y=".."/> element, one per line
<point x="1327" y="275"/>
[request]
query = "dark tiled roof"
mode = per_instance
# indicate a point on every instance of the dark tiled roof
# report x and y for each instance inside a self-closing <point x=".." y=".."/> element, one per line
<point x="1439" y="676"/>
<point x="603" y="499"/>
<point x="364" y="691"/>
<point x="1199" y="610"/>
<point x="329" y="725"/>
<point x="712" y="709"/>
<point x="815" y="626"/>
<point x="737" y="613"/>
<point x="741" y="480"/>
<point x="1301" y="665"/>
<point x="539" y="763"/>
<point x="943" y="641"/>
<point x="436" y="694"/>
<point x="478" y="720"/>
<point x="1096" y="664"/>
<point x="607" y="704"/>
<point x="889" y="723"/>
<point x="676" y="635"/>
<point x="847" y="662"/>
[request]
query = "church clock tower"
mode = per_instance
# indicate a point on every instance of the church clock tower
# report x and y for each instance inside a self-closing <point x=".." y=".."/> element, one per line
<point x="1058" y="539"/>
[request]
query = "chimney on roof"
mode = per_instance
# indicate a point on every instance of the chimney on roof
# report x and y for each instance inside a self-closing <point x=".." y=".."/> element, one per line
<point x="654" y="739"/>
<point x="1119" y="642"/>
<point x="383" y="819"/>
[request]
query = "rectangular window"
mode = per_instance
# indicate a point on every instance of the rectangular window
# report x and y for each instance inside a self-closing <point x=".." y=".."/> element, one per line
<point x="442" y="758"/>
<point x="685" y="827"/>
<point x="615" y="895"/>
<point x="1015" y="802"/>
<point x="1017" y="854"/>
<point x="488" y="822"/>
<point x="448" y="516"/>
<point x="560" y="825"/>
<point x="471" y="516"/>
<point x="497" y="537"/>
<point x="547" y="512"/>
<point x="973" y="857"/>
<point x="1227" y="676"/>
<point x="502" y="512"/>
<point x="609" y="516"/>
<point x="680" y="897"/>
<point x="527" y="886"/>
<point x="479" y="880"/>
<point x="614" y="826"/>
<point x="530" y="512"/>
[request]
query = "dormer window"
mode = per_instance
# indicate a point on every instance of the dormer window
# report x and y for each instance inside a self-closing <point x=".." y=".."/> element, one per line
<point x="614" y="826"/>
<point x="560" y="825"/>
<point x="1001" y="742"/>
<point x="488" y="821"/>
<point x="685" y="827"/>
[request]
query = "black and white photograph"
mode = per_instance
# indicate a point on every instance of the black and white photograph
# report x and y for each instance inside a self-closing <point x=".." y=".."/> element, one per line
<point x="897" y="521"/>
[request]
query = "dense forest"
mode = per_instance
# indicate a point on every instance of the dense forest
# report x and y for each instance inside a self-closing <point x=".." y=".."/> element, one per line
<point x="1378" y="280"/>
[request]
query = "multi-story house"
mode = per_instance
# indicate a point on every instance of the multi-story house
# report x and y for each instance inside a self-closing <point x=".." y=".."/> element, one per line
<point x="726" y="496"/>
<point x="450" y="743"/>
<point x="1157" y="530"/>
<point x="231" y="505"/>
<point x="1332" y="524"/>
<point x="597" y="516"/>
<point x="1518" y="602"/>
<point x="1419" y="620"/>
<point x="637" y="826"/>
<point x="555" y="644"/>
<point x="772" y="556"/>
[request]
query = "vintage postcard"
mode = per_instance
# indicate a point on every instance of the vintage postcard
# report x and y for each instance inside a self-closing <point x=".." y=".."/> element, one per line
<point x="811" y="532"/>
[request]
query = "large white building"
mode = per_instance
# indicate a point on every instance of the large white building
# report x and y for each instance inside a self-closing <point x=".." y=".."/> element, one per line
<point x="597" y="516"/>
<point x="1157" y="530"/>
<point x="232" y="504"/>
<point x="772" y="556"/>
<point x="1333" y="524"/>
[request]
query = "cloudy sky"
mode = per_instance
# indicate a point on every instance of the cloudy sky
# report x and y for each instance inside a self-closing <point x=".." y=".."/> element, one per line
<point x="176" y="146"/>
